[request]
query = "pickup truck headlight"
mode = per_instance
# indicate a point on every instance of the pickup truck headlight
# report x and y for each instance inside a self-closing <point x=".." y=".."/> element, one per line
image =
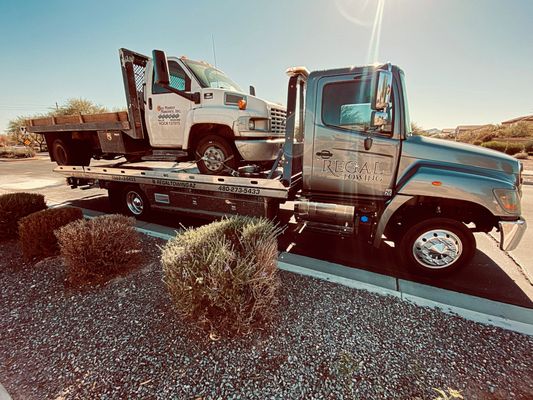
<point x="508" y="200"/>
<point x="258" y="124"/>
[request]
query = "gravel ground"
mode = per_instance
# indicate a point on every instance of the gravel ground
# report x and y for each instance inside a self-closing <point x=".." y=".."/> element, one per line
<point x="123" y="340"/>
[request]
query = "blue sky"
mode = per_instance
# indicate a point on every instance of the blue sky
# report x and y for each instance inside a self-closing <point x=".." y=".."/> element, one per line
<point x="466" y="61"/>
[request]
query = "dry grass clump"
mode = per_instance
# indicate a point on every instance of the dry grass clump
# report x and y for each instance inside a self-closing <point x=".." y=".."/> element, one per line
<point x="36" y="231"/>
<point x="100" y="248"/>
<point x="224" y="275"/>
<point x="13" y="207"/>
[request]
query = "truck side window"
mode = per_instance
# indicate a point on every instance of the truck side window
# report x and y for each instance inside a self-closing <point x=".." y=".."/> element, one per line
<point x="178" y="79"/>
<point x="347" y="104"/>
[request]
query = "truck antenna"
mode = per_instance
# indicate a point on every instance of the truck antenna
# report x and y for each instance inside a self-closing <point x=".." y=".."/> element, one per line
<point x="214" y="52"/>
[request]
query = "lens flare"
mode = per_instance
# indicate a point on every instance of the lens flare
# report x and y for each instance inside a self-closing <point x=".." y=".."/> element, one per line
<point x="361" y="12"/>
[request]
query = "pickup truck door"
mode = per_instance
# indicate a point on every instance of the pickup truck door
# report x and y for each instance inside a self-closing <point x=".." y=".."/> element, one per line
<point x="166" y="112"/>
<point x="341" y="165"/>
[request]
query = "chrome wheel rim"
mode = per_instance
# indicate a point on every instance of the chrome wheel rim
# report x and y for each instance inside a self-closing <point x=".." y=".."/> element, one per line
<point x="135" y="203"/>
<point x="437" y="249"/>
<point x="213" y="158"/>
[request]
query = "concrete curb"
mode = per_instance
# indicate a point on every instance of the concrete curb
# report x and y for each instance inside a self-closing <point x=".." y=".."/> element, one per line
<point x="478" y="309"/>
<point x="4" y="395"/>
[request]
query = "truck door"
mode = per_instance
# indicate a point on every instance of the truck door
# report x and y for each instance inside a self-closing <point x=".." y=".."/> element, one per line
<point x="166" y="112"/>
<point x="341" y="165"/>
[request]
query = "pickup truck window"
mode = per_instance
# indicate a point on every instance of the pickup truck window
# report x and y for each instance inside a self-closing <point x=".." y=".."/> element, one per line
<point x="178" y="79"/>
<point x="347" y="105"/>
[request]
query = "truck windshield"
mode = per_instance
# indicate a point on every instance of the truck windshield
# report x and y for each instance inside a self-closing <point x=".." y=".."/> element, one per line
<point x="211" y="77"/>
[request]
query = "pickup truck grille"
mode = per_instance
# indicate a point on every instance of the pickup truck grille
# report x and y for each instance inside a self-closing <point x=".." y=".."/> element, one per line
<point x="277" y="120"/>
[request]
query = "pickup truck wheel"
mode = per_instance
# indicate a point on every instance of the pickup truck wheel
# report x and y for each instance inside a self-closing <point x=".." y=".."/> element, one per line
<point x="63" y="154"/>
<point x="215" y="156"/>
<point x="437" y="246"/>
<point x="135" y="203"/>
<point x="68" y="153"/>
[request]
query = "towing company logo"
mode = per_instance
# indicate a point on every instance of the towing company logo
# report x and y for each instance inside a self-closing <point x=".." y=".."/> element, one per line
<point x="168" y="115"/>
<point x="366" y="171"/>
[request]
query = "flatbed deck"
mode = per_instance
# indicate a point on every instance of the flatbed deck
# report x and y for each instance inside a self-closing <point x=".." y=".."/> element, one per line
<point x="183" y="176"/>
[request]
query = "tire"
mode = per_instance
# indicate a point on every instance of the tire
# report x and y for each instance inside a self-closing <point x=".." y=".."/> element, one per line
<point x="69" y="153"/>
<point x="437" y="246"/>
<point x="219" y="151"/>
<point x="134" y="202"/>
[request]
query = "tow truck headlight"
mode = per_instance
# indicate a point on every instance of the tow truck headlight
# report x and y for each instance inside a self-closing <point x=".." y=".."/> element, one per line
<point x="251" y="125"/>
<point x="508" y="200"/>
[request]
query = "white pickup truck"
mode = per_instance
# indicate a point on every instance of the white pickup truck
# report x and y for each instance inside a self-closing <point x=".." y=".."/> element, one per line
<point x="200" y="114"/>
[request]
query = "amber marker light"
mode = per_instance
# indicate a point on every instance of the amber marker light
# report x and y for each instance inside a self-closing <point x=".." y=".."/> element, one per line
<point x="436" y="183"/>
<point x="242" y="104"/>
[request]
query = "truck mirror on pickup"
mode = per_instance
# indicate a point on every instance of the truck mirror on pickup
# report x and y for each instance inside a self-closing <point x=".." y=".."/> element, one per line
<point x="160" y="68"/>
<point x="380" y="119"/>
<point x="381" y="90"/>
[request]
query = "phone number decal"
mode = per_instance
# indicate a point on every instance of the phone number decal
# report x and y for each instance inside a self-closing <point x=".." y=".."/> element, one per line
<point x="238" y="189"/>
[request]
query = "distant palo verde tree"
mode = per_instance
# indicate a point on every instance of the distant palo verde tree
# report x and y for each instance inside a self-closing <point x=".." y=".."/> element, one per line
<point x="71" y="107"/>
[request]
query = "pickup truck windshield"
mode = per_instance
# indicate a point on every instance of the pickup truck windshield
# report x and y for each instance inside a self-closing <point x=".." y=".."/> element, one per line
<point x="211" y="77"/>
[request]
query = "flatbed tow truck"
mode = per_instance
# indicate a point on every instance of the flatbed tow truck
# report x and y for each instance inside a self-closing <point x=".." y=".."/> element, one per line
<point x="352" y="167"/>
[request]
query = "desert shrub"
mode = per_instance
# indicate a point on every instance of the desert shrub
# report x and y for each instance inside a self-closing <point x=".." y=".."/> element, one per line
<point x="13" y="152"/>
<point x="513" y="148"/>
<point x="477" y="142"/>
<point x="528" y="147"/>
<point x="500" y="146"/>
<point x="36" y="231"/>
<point x="13" y="207"/>
<point x="224" y="275"/>
<point x="508" y="148"/>
<point x="521" y="156"/>
<point x="100" y="248"/>
<point x="487" y="137"/>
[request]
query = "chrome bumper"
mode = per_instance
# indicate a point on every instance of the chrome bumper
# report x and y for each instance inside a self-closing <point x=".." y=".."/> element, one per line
<point x="511" y="233"/>
<point x="259" y="150"/>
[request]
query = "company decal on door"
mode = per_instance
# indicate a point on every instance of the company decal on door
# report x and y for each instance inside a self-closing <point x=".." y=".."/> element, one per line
<point x="168" y="115"/>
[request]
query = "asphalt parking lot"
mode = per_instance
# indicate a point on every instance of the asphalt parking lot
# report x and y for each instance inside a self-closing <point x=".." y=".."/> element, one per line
<point x="493" y="274"/>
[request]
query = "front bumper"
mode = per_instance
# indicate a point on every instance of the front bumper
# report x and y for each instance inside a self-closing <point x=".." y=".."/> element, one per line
<point x="260" y="149"/>
<point x="511" y="233"/>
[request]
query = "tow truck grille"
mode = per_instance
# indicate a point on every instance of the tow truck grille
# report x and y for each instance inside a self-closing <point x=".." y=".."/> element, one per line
<point x="277" y="120"/>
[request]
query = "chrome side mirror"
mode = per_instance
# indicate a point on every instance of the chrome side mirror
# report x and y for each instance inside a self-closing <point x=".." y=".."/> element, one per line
<point x="381" y="90"/>
<point x="380" y="119"/>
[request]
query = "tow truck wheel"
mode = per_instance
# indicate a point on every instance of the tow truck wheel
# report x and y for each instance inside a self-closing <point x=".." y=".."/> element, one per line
<point x="437" y="246"/>
<point x="215" y="156"/>
<point x="134" y="202"/>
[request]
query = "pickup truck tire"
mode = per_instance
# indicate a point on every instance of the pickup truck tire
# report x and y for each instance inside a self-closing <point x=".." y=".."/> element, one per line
<point x="68" y="153"/>
<point x="437" y="246"/>
<point x="134" y="202"/>
<point x="215" y="156"/>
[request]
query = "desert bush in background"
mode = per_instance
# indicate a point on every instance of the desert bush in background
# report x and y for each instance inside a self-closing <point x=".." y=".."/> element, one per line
<point x="100" y="248"/>
<point x="14" y="152"/>
<point x="13" y="207"/>
<point x="514" y="148"/>
<point x="224" y="275"/>
<point x="528" y="147"/>
<point x="36" y="231"/>
<point x="505" y="147"/>
<point x="499" y="146"/>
